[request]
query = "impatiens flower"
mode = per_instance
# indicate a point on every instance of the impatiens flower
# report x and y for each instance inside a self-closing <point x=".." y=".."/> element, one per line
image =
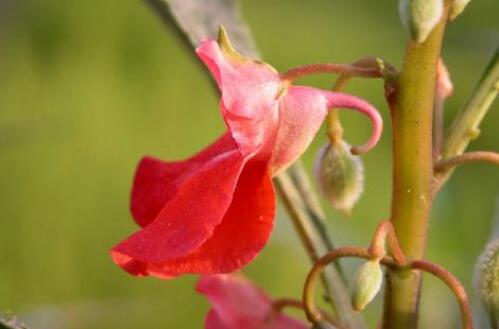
<point x="239" y="304"/>
<point x="214" y="212"/>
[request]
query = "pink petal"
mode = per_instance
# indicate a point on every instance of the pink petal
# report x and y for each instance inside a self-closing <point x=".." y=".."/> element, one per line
<point x="237" y="302"/>
<point x="249" y="103"/>
<point x="242" y="233"/>
<point x="282" y="321"/>
<point x="157" y="182"/>
<point x="213" y="321"/>
<point x="302" y="111"/>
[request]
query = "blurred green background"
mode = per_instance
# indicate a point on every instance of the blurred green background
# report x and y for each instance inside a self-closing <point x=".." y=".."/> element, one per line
<point x="88" y="87"/>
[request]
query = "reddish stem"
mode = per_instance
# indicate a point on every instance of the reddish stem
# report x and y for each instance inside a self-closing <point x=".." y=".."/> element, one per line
<point x="377" y="249"/>
<point x="343" y="69"/>
<point x="469" y="157"/>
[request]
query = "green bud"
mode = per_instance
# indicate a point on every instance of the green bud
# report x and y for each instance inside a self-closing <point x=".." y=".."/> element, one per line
<point x="457" y="8"/>
<point x="340" y="175"/>
<point x="420" y="16"/>
<point x="487" y="280"/>
<point x="367" y="284"/>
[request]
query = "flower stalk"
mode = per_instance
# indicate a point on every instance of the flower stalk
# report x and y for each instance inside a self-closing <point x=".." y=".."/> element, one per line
<point x="469" y="157"/>
<point x="412" y="170"/>
<point x="465" y="126"/>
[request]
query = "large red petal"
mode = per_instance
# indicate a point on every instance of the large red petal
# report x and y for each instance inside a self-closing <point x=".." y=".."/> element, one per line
<point x="156" y="182"/>
<point x="237" y="240"/>
<point x="190" y="217"/>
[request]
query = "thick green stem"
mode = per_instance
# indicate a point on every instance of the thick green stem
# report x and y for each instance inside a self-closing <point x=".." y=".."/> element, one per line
<point x="412" y="171"/>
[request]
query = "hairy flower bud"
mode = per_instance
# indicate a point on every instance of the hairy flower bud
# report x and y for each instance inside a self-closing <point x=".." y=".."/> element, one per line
<point x="340" y="175"/>
<point x="367" y="284"/>
<point x="487" y="280"/>
<point x="457" y="8"/>
<point x="420" y="16"/>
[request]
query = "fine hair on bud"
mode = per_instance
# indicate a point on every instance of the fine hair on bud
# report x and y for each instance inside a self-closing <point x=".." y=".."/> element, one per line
<point x="486" y="279"/>
<point x="340" y="175"/>
<point x="367" y="284"/>
<point x="420" y="17"/>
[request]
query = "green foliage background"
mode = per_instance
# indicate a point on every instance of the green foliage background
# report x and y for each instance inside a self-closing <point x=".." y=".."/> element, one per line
<point x="88" y="87"/>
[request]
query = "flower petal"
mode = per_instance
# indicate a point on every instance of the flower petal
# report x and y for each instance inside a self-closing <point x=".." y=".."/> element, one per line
<point x="237" y="302"/>
<point x="302" y="111"/>
<point x="190" y="217"/>
<point x="282" y="321"/>
<point x="156" y="182"/>
<point x="249" y="96"/>
<point x="242" y="233"/>
<point x="213" y="321"/>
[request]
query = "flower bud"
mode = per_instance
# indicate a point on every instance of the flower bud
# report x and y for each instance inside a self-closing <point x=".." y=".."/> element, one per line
<point x="487" y="280"/>
<point x="340" y="175"/>
<point x="444" y="85"/>
<point x="367" y="284"/>
<point x="457" y="8"/>
<point x="420" y="16"/>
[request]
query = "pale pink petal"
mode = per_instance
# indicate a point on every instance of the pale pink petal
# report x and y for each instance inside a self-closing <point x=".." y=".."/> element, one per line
<point x="282" y="321"/>
<point x="302" y="111"/>
<point x="213" y="321"/>
<point x="237" y="302"/>
<point x="249" y="103"/>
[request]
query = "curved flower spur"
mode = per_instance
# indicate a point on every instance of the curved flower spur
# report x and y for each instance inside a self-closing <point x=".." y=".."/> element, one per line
<point x="214" y="212"/>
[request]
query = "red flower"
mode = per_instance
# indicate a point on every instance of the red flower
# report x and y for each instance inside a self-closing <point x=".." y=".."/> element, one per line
<point x="214" y="212"/>
<point x="239" y="304"/>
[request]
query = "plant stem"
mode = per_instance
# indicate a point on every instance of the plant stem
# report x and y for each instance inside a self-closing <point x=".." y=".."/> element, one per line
<point x="311" y="232"/>
<point x="465" y="126"/>
<point x="469" y="157"/>
<point x="412" y="171"/>
<point x="342" y="69"/>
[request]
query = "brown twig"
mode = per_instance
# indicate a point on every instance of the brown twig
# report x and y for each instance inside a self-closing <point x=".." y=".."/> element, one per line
<point x="343" y="69"/>
<point x="469" y="157"/>
<point x="377" y="249"/>
<point x="453" y="283"/>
